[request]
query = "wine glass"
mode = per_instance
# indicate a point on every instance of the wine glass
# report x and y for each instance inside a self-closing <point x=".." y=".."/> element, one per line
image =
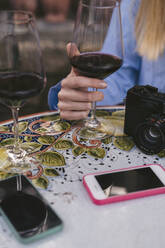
<point x="94" y="54"/>
<point x="22" y="76"/>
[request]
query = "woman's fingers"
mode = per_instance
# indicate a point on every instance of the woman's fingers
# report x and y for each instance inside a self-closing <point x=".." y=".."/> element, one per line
<point x="73" y="115"/>
<point x="83" y="82"/>
<point x="72" y="48"/>
<point x="75" y="106"/>
<point x="80" y="96"/>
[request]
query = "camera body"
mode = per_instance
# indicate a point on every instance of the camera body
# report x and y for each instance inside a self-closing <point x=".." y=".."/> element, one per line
<point x="145" y="118"/>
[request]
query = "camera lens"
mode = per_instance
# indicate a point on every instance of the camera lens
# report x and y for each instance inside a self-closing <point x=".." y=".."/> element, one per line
<point x="149" y="138"/>
<point x="152" y="134"/>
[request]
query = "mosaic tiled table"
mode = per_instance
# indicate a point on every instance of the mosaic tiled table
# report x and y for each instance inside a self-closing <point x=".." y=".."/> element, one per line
<point x="65" y="158"/>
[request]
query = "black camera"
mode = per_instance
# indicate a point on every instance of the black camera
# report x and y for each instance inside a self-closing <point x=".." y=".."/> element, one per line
<point x="145" y="118"/>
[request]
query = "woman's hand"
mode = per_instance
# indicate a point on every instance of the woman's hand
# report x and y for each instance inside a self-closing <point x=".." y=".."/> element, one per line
<point x="74" y="98"/>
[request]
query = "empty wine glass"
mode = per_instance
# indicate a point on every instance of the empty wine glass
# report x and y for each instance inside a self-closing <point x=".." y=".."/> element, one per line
<point x="21" y="77"/>
<point x="94" y="54"/>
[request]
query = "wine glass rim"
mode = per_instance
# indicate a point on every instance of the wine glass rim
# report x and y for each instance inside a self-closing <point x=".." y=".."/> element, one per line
<point x="29" y="16"/>
<point x="114" y="3"/>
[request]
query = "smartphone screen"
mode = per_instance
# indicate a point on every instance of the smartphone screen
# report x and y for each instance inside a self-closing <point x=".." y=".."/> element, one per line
<point x="27" y="211"/>
<point x="123" y="182"/>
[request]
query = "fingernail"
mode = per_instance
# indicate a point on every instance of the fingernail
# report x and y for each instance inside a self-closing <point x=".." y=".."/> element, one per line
<point x="103" y="84"/>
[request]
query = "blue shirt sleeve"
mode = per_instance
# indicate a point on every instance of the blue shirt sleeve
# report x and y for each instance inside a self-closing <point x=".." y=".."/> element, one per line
<point x="127" y="76"/>
<point x="53" y="96"/>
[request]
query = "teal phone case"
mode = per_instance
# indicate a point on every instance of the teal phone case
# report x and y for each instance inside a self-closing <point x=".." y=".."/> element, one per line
<point x="37" y="236"/>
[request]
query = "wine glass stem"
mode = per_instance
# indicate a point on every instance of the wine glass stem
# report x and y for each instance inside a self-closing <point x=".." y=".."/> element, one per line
<point x="93" y="111"/>
<point x="15" y="111"/>
<point x="92" y="122"/>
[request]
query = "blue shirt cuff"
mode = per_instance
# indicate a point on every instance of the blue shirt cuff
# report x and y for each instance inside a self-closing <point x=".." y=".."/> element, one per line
<point x="53" y="96"/>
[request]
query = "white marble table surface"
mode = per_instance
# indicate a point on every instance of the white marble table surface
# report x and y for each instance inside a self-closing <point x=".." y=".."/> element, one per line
<point x="138" y="223"/>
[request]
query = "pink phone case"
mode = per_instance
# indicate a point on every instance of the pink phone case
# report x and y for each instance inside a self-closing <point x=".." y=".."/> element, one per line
<point x="128" y="196"/>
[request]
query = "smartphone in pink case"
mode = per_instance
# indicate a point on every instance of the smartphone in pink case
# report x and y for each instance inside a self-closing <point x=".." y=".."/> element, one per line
<point x="125" y="184"/>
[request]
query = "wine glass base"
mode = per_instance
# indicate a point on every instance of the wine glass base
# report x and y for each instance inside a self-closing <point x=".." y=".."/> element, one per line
<point x="92" y="134"/>
<point x="92" y="123"/>
<point x="17" y="160"/>
<point x="96" y="129"/>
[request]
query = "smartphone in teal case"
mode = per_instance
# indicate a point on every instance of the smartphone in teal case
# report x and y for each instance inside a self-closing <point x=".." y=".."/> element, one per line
<point x="27" y="213"/>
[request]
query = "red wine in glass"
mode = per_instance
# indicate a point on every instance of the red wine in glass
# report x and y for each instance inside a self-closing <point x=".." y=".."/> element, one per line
<point x="95" y="65"/>
<point x="16" y="86"/>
